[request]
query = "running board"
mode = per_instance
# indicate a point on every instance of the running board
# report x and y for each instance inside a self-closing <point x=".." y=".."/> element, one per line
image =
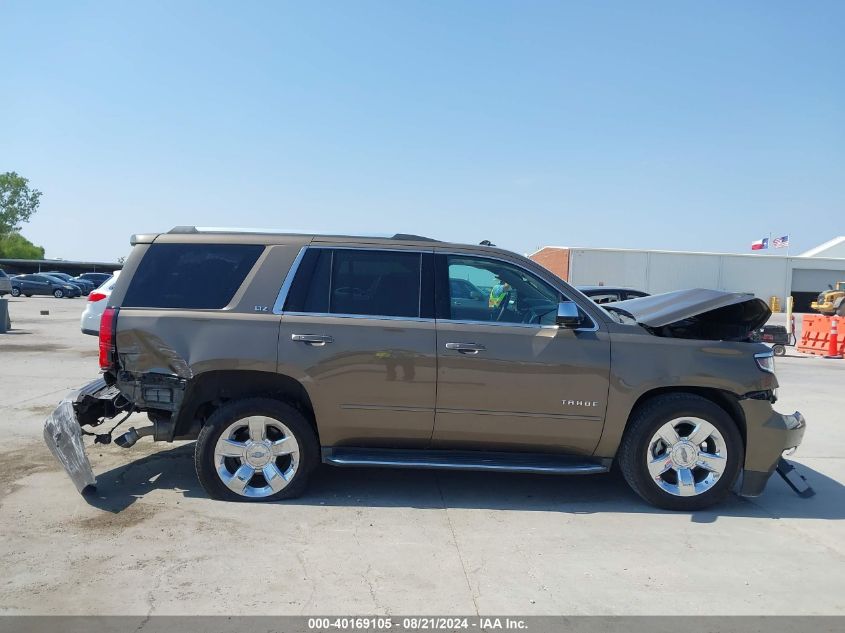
<point x="542" y="463"/>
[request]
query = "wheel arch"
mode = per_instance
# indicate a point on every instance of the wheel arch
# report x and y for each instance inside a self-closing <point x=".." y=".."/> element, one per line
<point x="726" y="400"/>
<point x="207" y="391"/>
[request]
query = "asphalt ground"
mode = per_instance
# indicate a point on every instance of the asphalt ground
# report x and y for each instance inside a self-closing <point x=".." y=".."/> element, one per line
<point x="366" y="541"/>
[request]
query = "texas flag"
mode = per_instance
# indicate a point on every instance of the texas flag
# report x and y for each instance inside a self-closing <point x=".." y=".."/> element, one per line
<point x="760" y="244"/>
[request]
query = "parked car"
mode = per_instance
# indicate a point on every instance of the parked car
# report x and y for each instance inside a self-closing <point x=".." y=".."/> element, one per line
<point x="278" y="351"/>
<point x="96" y="304"/>
<point x="39" y="284"/>
<point x="609" y="294"/>
<point x="5" y="283"/>
<point x="465" y="295"/>
<point x="98" y="279"/>
<point x="84" y="285"/>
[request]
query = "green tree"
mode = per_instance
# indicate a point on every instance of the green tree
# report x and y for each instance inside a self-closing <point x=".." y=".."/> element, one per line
<point x="16" y="246"/>
<point x="17" y="202"/>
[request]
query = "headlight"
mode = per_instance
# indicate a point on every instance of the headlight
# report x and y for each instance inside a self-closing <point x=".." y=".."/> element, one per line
<point x="766" y="361"/>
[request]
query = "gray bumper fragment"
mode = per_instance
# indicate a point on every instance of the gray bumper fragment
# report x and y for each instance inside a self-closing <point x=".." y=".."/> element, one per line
<point x="63" y="436"/>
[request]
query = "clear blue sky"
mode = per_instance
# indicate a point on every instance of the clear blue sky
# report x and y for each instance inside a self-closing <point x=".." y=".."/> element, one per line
<point x="681" y="125"/>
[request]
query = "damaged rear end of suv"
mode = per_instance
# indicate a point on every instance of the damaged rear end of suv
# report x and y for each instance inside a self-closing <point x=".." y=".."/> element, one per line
<point x="278" y="352"/>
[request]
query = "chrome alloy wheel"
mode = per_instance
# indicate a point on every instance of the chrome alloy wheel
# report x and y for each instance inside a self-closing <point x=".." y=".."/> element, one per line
<point x="256" y="456"/>
<point x="686" y="456"/>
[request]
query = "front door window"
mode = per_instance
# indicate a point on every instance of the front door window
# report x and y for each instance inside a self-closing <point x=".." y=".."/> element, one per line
<point x="488" y="290"/>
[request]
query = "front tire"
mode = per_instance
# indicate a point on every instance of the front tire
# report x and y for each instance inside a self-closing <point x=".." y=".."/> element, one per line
<point x="58" y="293"/>
<point x="255" y="449"/>
<point x="778" y="350"/>
<point x="16" y="292"/>
<point x="681" y="452"/>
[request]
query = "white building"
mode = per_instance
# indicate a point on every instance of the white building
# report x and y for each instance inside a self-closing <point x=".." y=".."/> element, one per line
<point x="802" y="276"/>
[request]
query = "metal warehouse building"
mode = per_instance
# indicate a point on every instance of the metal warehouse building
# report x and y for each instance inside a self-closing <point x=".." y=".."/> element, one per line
<point x="802" y="276"/>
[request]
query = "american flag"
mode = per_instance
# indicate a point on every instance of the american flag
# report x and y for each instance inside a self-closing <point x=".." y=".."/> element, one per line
<point x="781" y="242"/>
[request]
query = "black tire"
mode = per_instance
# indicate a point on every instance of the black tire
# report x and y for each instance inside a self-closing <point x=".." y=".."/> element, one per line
<point x="645" y="422"/>
<point x="28" y="296"/>
<point x="778" y="350"/>
<point x="58" y="293"/>
<point x="16" y="292"/>
<point x="222" y="418"/>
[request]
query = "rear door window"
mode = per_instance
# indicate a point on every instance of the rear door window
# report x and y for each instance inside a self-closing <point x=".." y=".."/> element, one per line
<point x="357" y="282"/>
<point x="375" y="283"/>
<point x="190" y="276"/>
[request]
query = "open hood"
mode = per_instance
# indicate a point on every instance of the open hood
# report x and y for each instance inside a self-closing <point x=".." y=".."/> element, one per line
<point x="697" y="313"/>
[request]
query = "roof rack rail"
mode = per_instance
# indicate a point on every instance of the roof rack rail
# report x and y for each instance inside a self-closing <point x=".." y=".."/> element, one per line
<point x="183" y="230"/>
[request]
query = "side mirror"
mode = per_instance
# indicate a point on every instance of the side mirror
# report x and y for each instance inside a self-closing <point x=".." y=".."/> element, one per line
<point x="568" y="315"/>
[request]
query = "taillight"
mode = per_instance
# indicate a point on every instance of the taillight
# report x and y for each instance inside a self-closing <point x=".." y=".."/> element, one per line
<point x="96" y="296"/>
<point x="108" y="324"/>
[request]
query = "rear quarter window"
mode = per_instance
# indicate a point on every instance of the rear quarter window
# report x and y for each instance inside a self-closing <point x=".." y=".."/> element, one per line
<point x="190" y="276"/>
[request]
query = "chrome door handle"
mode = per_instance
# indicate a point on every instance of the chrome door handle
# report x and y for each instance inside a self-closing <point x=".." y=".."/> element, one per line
<point x="466" y="348"/>
<point x="315" y="340"/>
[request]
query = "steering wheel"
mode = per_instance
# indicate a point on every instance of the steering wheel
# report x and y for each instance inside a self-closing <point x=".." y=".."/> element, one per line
<point x="505" y="300"/>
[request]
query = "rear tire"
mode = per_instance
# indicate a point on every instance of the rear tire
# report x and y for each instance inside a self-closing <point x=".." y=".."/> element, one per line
<point x="16" y="292"/>
<point x="256" y="449"/>
<point x="701" y="439"/>
<point x="778" y="350"/>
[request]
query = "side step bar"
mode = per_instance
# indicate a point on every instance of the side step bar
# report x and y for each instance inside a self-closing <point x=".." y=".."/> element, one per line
<point x="541" y="463"/>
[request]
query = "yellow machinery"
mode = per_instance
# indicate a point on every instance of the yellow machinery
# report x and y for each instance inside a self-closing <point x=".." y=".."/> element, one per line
<point x="831" y="301"/>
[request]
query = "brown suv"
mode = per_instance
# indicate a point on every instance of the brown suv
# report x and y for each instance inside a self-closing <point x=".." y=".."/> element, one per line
<point x="278" y="352"/>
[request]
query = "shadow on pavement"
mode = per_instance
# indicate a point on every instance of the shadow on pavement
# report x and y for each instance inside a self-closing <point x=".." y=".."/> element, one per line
<point x="173" y="469"/>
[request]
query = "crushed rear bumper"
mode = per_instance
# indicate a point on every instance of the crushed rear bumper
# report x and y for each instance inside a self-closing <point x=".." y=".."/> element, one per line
<point x="63" y="428"/>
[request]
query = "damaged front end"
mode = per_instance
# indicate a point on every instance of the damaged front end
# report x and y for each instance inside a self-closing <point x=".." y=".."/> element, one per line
<point x="733" y="317"/>
<point x="708" y="315"/>
<point x="89" y="406"/>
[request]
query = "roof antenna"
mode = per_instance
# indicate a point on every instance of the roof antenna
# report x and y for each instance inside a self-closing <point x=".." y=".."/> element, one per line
<point x="486" y="243"/>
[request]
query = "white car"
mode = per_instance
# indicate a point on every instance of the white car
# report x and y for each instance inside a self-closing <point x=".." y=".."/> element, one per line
<point x="97" y="301"/>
